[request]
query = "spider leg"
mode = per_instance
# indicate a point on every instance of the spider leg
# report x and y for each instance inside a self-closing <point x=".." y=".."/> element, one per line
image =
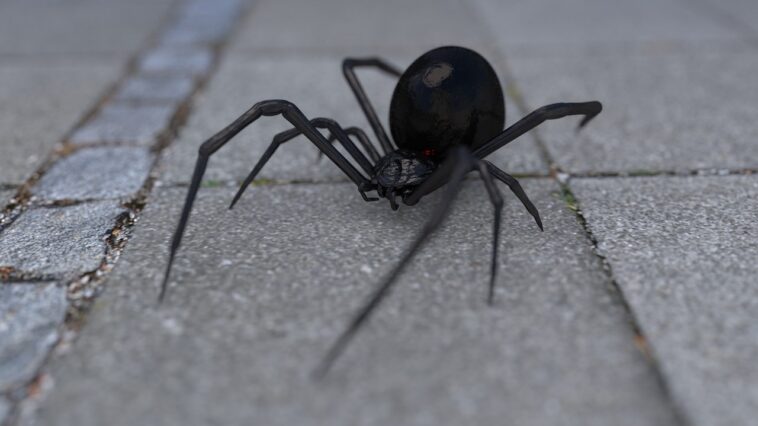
<point x="455" y="167"/>
<point x="549" y="112"/>
<point x="497" y="203"/>
<point x="363" y="140"/>
<point x="348" y="69"/>
<point x="265" y="108"/>
<point x="515" y="186"/>
<point x="321" y="123"/>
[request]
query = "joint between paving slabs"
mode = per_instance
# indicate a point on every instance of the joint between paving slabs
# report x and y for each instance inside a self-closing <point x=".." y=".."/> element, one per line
<point x="227" y="183"/>
<point x="615" y="291"/>
<point x="640" y="341"/>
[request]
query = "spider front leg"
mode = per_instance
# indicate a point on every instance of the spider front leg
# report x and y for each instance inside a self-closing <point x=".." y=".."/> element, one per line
<point x="265" y="108"/>
<point x="362" y="139"/>
<point x="287" y="135"/>
<point x="548" y="112"/>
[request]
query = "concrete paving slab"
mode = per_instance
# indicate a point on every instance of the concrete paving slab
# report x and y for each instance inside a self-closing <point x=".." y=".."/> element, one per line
<point x="584" y="24"/>
<point x="5" y="408"/>
<point x="155" y="88"/>
<point x="96" y="173"/>
<point x="39" y="103"/>
<point x="688" y="110"/>
<point x="59" y="241"/>
<point x="30" y="316"/>
<point x="82" y="27"/>
<point x="683" y="250"/>
<point x="318" y="88"/>
<point x="360" y="27"/>
<point x="743" y="11"/>
<point x="125" y="123"/>
<point x="176" y="60"/>
<point x="260" y="292"/>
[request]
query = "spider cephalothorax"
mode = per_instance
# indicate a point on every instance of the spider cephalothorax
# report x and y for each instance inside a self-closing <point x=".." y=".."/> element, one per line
<point x="446" y="115"/>
<point x="399" y="172"/>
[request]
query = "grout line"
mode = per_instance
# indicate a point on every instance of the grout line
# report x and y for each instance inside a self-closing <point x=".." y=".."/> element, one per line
<point x="640" y="341"/>
<point x="82" y="291"/>
<point x="227" y="183"/>
<point x="661" y="173"/>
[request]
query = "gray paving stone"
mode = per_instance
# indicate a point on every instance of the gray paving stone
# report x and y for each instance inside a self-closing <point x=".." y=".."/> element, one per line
<point x="30" y="315"/>
<point x="175" y="60"/>
<point x="108" y="172"/>
<point x="318" y="87"/>
<point x="683" y="250"/>
<point x="82" y="27"/>
<point x="213" y="9"/>
<point x="156" y="88"/>
<point x="688" y="110"/>
<point x="360" y="27"/>
<point x="125" y="123"/>
<point x="41" y="101"/>
<point x="4" y="409"/>
<point x="59" y="241"/>
<point x="743" y="11"/>
<point x="260" y="292"/>
<point x="583" y="24"/>
<point x="203" y="22"/>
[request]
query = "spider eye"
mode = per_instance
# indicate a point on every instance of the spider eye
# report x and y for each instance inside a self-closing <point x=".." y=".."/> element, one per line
<point x="428" y="152"/>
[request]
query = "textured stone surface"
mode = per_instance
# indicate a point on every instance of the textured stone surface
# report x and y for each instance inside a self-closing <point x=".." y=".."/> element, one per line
<point x="360" y="27"/>
<point x="683" y="110"/>
<point x="40" y="101"/>
<point x="744" y="12"/>
<point x="30" y="315"/>
<point x="155" y="88"/>
<point x="258" y="294"/>
<point x="683" y="250"/>
<point x="586" y="24"/>
<point x="4" y="409"/>
<point x="108" y="28"/>
<point x="5" y="196"/>
<point x="59" y="241"/>
<point x="183" y="61"/>
<point x="138" y="124"/>
<point x="318" y="88"/>
<point x="108" y="172"/>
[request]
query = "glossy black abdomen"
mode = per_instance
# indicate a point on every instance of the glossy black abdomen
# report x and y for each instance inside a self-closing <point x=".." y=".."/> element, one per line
<point x="448" y="96"/>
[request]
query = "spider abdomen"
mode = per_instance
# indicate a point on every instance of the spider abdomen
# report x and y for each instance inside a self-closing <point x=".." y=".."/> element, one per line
<point x="448" y="96"/>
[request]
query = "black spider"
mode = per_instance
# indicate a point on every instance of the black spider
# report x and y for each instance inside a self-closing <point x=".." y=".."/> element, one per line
<point x="446" y="115"/>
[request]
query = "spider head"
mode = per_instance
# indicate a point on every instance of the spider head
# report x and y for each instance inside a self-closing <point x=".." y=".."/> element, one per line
<point x="401" y="171"/>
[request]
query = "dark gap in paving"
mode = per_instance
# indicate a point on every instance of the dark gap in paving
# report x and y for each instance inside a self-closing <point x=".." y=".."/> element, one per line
<point x="213" y="183"/>
<point x="663" y="173"/>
